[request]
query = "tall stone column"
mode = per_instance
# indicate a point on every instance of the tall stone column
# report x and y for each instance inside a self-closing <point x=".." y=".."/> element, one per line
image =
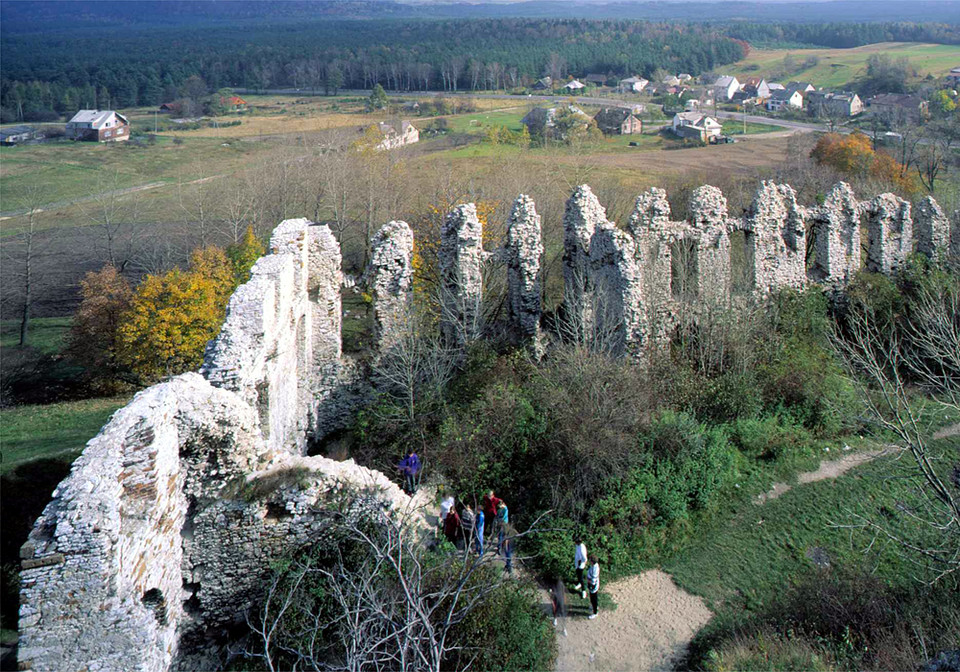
<point x="580" y="219"/>
<point x="708" y="213"/>
<point x="461" y="275"/>
<point x="932" y="229"/>
<point x="617" y="275"/>
<point x="651" y="228"/>
<point x="837" y="227"/>
<point x="776" y="249"/>
<point x="889" y="233"/>
<point x="524" y="283"/>
<point x="390" y="279"/>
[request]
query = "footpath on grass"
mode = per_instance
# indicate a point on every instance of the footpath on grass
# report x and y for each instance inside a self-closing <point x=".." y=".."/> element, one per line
<point x="654" y="621"/>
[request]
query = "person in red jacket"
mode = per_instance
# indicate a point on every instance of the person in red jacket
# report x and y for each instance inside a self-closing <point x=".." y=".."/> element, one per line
<point x="490" y="505"/>
<point x="452" y="528"/>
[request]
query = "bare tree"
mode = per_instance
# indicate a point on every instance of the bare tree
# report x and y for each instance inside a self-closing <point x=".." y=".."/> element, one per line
<point x="115" y="211"/>
<point x="393" y="606"/>
<point x="882" y="358"/>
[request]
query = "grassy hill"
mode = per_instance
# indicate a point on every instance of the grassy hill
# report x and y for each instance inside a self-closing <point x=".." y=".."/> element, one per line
<point x="836" y="67"/>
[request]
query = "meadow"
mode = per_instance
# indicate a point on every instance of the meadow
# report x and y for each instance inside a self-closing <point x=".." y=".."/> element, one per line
<point x="837" y="67"/>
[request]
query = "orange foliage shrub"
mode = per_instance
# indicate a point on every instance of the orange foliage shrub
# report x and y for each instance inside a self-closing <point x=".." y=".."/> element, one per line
<point x="853" y="156"/>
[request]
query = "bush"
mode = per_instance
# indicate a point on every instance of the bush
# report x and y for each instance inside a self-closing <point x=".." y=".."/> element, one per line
<point x="771" y="438"/>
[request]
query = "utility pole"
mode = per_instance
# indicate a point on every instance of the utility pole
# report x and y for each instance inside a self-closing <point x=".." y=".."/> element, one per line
<point x="154" y="122"/>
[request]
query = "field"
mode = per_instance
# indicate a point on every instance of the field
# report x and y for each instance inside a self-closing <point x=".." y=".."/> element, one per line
<point x="838" y="67"/>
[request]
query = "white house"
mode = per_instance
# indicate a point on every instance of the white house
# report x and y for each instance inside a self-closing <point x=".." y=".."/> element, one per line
<point x="781" y="98"/>
<point x="574" y="85"/>
<point x="671" y="80"/>
<point x="696" y="125"/>
<point x="725" y="87"/>
<point x="393" y="137"/>
<point x="632" y="84"/>
<point x="98" y="126"/>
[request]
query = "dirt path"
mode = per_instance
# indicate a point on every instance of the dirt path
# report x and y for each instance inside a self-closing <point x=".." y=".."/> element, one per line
<point x="650" y="628"/>
<point x="827" y="469"/>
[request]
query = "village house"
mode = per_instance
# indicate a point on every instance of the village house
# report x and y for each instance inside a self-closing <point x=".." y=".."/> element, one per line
<point x="393" y="137"/>
<point x="803" y="87"/>
<point x="756" y="87"/>
<point x="233" y="103"/>
<point x="898" y="108"/>
<point x="775" y="86"/>
<point x="98" y="126"/>
<point x="14" y="135"/>
<point x="543" y="84"/>
<point x="783" y="98"/>
<point x="696" y="125"/>
<point x="172" y="107"/>
<point x="540" y="120"/>
<point x="632" y="85"/>
<point x="685" y="77"/>
<point x="574" y="85"/>
<point x="725" y="87"/>
<point x="595" y="79"/>
<point x="827" y="104"/>
<point x="618" y="121"/>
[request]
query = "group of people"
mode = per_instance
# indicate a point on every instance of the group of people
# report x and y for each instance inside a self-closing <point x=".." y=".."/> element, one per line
<point x="587" y="568"/>
<point x="466" y="528"/>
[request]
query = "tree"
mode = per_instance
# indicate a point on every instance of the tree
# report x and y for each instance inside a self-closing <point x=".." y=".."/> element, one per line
<point x="379" y="599"/>
<point x="172" y="317"/>
<point x="853" y="156"/>
<point x="244" y="254"/>
<point x="885" y="356"/>
<point x="93" y="340"/>
<point x="378" y="98"/>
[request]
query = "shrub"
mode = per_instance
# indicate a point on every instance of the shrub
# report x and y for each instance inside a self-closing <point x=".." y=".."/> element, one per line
<point x="771" y="438"/>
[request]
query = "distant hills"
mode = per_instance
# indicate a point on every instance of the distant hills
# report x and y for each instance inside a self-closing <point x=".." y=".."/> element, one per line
<point x="26" y="16"/>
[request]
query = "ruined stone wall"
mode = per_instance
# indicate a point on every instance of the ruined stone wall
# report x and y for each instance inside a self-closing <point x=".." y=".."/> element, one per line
<point x="163" y="533"/>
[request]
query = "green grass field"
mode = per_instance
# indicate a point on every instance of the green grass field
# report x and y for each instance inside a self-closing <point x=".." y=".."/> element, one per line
<point x="66" y="170"/>
<point x="838" y="67"/>
<point x="741" y="563"/>
<point x="46" y="335"/>
<point x="58" y="431"/>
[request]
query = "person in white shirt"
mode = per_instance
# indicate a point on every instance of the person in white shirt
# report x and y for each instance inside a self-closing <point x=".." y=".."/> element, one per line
<point x="593" y="585"/>
<point x="446" y="504"/>
<point x="580" y="563"/>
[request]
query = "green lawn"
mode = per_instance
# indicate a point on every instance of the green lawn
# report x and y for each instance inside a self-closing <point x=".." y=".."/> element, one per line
<point x="838" y="67"/>
<point x="47" y="335"/>
<point x="65" y="170"/>
<point x="56" y="431"/>
<point x="733" y="127"/>
<point x="744" y="560"/>
<point x="480" y="121"/>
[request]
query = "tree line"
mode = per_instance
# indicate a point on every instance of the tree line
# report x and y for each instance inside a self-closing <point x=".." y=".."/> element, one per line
<point x="52" y="75"/>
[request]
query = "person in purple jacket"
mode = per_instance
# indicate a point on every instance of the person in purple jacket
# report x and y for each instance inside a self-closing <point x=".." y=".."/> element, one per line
<point x="410" y="468"/>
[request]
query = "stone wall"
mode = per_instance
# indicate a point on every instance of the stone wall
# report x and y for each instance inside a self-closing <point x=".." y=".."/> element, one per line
<point x="161" y="537"/>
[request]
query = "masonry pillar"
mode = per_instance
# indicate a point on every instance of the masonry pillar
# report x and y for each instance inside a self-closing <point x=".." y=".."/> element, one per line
<point x="837" y="228"/>
<point x="461" y="274"/>
<point x="776" y="249"/>
<point x="932" y="229"/>
<point x="390" y="279"/>
<point x="889" y="233"/>
<point x="711" y="265"/>
<point x="524" y="283"/>
<point x="580" y="219"/>
<point x="617" y="276"/>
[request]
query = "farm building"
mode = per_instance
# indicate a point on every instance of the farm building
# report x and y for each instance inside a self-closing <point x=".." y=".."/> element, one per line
<point x="16" y="134"/>
<point x="632" y="85"/>
<point x="98" y="126"/>
<point x="618" y="121"/>
<point x="696" y="125"/>
<point x="397" y="134"/>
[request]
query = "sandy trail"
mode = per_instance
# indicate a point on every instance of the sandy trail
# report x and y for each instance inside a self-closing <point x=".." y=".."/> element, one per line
<point x="651" y="627"/>
<point x="827" y="469"/>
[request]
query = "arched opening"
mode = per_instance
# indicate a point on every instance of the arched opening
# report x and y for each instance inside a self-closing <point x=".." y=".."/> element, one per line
<point x="154" y="601"/>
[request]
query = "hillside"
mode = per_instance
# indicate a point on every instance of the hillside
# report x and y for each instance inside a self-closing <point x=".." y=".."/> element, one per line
<point x="837" y="67"/>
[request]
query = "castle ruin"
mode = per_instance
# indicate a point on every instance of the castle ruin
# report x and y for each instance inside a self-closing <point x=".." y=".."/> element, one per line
<point x="153" y="549"/>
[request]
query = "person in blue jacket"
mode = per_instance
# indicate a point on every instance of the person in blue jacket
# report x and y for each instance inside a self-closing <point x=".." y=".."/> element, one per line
<point x="479" y="531"/>
<point x="410" y="468"/>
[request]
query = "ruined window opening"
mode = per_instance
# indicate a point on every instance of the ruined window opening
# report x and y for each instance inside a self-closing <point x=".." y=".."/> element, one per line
<point x="684" y="272"/>
<point x="263" y="407"/>
<point x="154" y="600"/>
<point x="742" y="262"/>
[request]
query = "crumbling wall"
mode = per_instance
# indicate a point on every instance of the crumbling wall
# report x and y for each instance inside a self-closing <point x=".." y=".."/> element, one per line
<point x="163" y="533"/>
<point x="889" y="233"/>
<point x="461" y="274"/>
<point x="524" y="284"/>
